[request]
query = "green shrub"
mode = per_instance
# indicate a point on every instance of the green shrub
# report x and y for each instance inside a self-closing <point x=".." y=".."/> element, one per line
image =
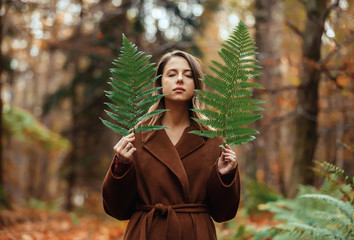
<point x="324" y="214"/>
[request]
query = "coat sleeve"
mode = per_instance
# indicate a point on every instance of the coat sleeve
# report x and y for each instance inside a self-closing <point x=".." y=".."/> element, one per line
<point x="119" y="193"/>
<point x="223" y="197"/>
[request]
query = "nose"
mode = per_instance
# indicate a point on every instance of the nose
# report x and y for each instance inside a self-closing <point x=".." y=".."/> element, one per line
<point x="180" y="78"/>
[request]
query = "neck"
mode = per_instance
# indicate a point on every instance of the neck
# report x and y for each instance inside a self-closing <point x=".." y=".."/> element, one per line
<point x="177" y="115"/>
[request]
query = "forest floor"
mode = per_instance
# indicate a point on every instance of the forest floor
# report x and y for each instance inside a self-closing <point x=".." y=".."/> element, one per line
<point x="34" y="224"/>
<point x="30" y="224"/>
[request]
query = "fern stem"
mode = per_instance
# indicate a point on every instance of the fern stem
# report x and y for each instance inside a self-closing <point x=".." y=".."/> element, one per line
<point x="134" y="98"/>
<point x="234" y="81"/>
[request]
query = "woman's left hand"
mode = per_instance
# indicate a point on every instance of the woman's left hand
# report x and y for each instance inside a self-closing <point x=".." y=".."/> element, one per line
<point x="227" y="161"/>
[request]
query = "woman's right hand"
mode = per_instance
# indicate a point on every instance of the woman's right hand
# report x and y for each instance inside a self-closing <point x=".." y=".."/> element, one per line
<point x="124" y="149"/>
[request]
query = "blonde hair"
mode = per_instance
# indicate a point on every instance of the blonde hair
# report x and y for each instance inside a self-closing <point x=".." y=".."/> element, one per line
<point x="197" y="74"/>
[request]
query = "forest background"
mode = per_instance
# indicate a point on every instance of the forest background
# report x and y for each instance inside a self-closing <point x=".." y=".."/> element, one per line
<point x="55" y="60"/>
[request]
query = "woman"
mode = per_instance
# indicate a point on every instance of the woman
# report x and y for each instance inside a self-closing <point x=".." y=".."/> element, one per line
<point x="170" y="183"/>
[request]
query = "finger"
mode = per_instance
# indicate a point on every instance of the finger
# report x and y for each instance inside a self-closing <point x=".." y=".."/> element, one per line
<point x="230" y="159"/>
<point x="131" y="151"/>
<point x="119" y="144"/>
<point x="117" y="148"/>
<point x="124" y="142"/>
<point x="225" y="160"/>
<point x="230" y="162"/>
<point x="129" y="139"/>
<point x="228" y="150"/>
<point x="128" y="146"/>
<point x="230" y="156"/>
<point x="129" y="135"/>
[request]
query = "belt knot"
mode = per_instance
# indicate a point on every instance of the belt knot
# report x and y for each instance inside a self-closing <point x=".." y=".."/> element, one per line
<point x="171" y="227"/>
<point x="161" y="209"/>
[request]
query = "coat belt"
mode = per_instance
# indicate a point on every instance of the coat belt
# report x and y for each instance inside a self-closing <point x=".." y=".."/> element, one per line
<point x="172" y="228"/>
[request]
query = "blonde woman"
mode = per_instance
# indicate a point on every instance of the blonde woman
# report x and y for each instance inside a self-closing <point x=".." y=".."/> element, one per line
<point x="169" y="183"/>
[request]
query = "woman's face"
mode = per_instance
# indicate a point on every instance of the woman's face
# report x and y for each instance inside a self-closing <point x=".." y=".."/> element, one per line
<point x="177" y="80"/>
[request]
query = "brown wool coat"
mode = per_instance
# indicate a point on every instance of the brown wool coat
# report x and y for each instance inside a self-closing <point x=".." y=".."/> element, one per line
<point x="171" y="192"/>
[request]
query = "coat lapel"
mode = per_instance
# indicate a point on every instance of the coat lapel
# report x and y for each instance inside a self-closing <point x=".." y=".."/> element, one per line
<point x="160" y="146"/>
<point x="189" y="142"/>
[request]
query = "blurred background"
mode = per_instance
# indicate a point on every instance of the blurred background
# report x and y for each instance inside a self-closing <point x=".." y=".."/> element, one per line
<point x="54" y="66"/>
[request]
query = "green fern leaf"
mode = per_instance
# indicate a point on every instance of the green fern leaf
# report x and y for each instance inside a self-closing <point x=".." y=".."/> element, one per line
<point x="116" y="128"/>
<point x="312" y="215"/>
<point x="231" y="103"/>
<point x="336" y="219"/>
<point x="149" y="128"/>
<point x="345" y="207"/>
<point x="301" y="231"/>
<point x="208" y="133"/>
<point x="131" y="96"/>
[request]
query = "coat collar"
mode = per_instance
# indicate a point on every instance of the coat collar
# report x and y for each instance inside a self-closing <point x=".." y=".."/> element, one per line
<point x="159" y="145"/>
<point x="187" y="144"/>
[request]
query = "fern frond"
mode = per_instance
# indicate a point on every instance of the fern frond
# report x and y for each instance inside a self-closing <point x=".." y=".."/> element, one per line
<point x="231" y="103"/>
<point x="118" y="129"/>
<point x="239" y="140"/>
<point x="337" y="182"/>
<point x="336" y="171"/>
<point x="344" y="207"/>
<point x="301" y="231"/>
<point x="149" y="128"/>
<point x="312" y="215"/>
<point x="210" y="113"/>
<point x="208" y="133"/>
<point x="131" y="95"/>
<point x="338" y="220"/>
<point x="121" y="110"/>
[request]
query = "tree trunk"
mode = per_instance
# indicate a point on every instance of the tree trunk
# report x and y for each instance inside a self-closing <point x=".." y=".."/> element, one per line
<point x="307" y="106"/>
<point x="268" y="41"/>
<point x="73" y="159"/>
<point x="3" y="198"/>
<point x="2" y="183"/>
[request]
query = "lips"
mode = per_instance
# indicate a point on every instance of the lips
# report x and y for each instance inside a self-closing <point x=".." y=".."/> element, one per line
<point x="179" y="89"/>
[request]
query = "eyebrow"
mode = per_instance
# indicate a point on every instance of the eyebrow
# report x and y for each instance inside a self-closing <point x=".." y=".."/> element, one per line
<point x="173" y="69"/>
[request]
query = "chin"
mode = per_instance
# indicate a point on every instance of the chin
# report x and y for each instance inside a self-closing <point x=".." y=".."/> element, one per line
<point x="179" y="99"/>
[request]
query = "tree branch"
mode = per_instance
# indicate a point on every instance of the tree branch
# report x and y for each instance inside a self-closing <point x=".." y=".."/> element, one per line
<point x="326" y="59"/>
<point x="328" y="11"/>
<point x="294" y="28"/>
<point x="333" y="78"/>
